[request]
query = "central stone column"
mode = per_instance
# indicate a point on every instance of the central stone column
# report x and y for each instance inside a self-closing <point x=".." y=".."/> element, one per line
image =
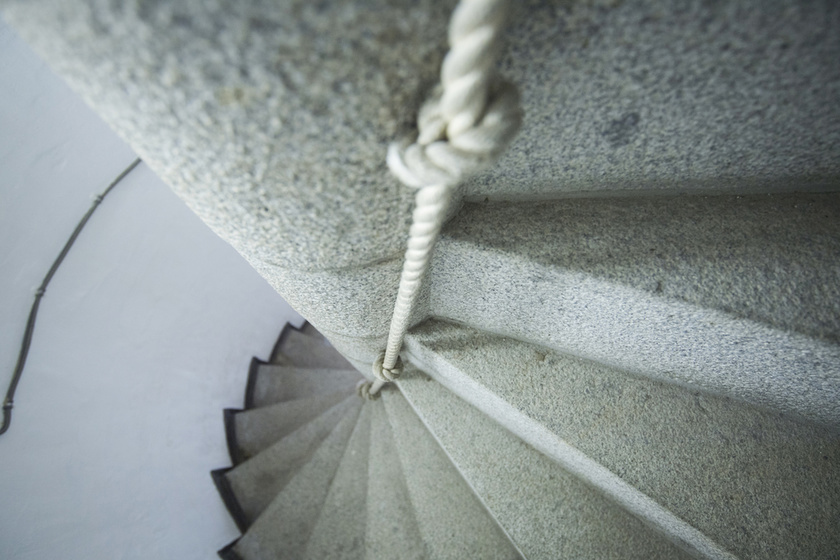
<point x="272" y="119"/>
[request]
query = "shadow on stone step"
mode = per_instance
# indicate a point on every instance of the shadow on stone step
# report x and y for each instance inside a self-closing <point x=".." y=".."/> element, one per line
<point x="234" y="450"/>
<point x="229" y="498"/>
<point x="228" y="552"/>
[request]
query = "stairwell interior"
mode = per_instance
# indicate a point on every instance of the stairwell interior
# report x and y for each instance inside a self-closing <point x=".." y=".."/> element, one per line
<point x="628" y="343"/>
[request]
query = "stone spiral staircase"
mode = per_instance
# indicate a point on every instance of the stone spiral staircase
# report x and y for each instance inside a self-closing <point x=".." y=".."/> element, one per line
<point x="629" y="342"/>
<point x="421" y="473"/>
<point x="321" y="473"/>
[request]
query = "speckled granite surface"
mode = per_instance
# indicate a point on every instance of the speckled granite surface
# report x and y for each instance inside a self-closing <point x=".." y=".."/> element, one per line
<point x="757" y="484"/>
<point x="735" y="295"/>
<point x="272" y="119"/>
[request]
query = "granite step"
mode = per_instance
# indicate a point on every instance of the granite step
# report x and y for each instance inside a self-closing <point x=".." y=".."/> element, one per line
<point x="339" y="533"/>
<point x="251" y="431"/>
<point x="712" y="472"/>
<point x="283" y="529"/>
<point x="546" y="510"/>
<point x="308" y="351"/>
<point x="733" y="295"/>
<point x="253" y="484"/>
<point x="270" y="383"/>
<point x="309" y="329"/>
<point x="391" y="530"/>
<point x="453" y="522"/>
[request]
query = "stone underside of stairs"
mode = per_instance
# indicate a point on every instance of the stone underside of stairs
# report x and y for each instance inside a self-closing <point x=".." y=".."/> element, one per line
<point x="628" y="345"/>
<point x="320" y="473"/>
<point x="518" y="451"/>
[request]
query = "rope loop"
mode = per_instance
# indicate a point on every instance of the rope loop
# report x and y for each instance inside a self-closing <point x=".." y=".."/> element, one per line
<point x="363" y="390"/>
<point x="463" y="128"/>
<point x="440" y="158"/>
<point x="386" y="374"/>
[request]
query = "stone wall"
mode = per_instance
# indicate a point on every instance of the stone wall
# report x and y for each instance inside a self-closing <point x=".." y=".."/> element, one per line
<point x="271" y="119"/>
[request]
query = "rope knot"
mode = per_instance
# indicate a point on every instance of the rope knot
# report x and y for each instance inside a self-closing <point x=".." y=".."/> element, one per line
<point x="463" y="128"/>
<point x="441" y="156"/>
<point x="384" y="374"/>
<point x="363" y="390"/>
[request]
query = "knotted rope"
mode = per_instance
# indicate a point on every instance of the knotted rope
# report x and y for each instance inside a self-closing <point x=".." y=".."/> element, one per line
<point x="463" y="128"/>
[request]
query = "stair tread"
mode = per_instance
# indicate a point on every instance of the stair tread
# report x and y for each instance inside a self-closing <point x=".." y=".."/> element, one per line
<point x="759" y="484"/>
<point x="272" y="384"/>
<point x="306" y="328"/>
<point x="339" y="532"/>
<point x="547" y="511"/>
<point x="453" y="522"/>
<point x="391" y="530"/>
<point x="304" y="350"/>
<point x="711" y="251"/>
<point x="256" y="481"/>
<point x="283" y="528"/>
<point x="739" y="295"/>
<point x="276" y="353"/>
<point x="259" y="428"/>
<point x="309" y="329"/>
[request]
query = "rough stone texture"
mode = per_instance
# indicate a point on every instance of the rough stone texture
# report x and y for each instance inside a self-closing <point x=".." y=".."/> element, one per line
<point x="453" y="522"/>
<point x="276" y="384"/>
<point x="546" y="510"/>
<point x="735" y="295"/>
<point x="260" y="428"/>
<point x="283" y="529"/>
<point x="272" y="119"/>
<point x="309" y="329"/>
<point x="684" y="95"/>
<point x="256" y="481"/>
<point x="339" y="533"/>
<point x="768" y="258"/>
<point x="391" y="530"/>
<point x="760" y="485"/>
<point x="353" y="302"/>
<point x="309" y="352"/>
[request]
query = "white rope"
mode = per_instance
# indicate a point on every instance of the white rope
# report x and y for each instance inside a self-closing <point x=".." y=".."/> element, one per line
<point x="363" y="389"/>
<point x="467" y="123"/>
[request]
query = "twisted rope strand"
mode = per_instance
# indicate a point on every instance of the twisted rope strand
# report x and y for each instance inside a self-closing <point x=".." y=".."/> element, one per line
<point x="463" y="127"/>
<point x="431" y="205"/>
